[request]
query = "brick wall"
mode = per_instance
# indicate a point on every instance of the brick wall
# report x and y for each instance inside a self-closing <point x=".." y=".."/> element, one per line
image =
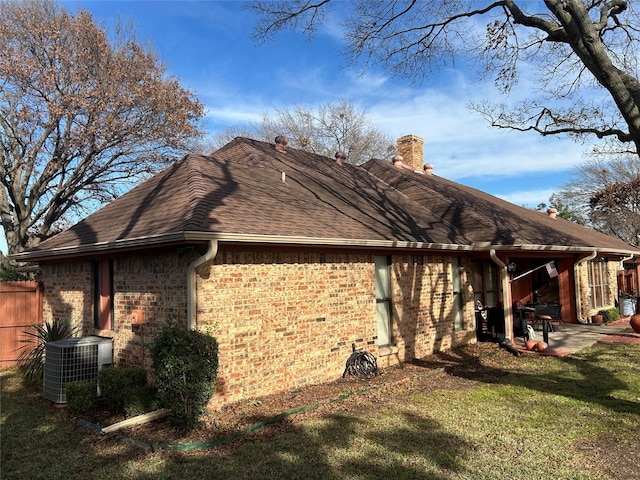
<point x="285" y="320"/>
<point x="68" y="293"/>
<point x="585" y="293"/>
<point x="282" y="320"/>
<point x="154" y="285"/>
<point x="288" y="320"/>
<point x="423" y="315"/>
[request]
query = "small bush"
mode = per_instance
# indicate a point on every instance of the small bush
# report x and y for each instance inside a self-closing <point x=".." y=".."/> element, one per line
<point x="609" y="314"/>
<point x="126" y="389"/>
<point x="10" y="274"/>
<point x="31" y="359"/>
<point x="185" y="366"/>
<point x="81" y="396"/>
<point x="140" y="399"/>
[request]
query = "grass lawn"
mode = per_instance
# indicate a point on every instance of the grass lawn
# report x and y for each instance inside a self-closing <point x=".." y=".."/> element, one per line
<point x="528" y="417"/>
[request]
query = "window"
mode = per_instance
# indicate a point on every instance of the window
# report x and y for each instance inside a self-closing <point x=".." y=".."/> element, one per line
<point x="456" y="280"/>
<point x="383" y="301"/>
<point x="599" y="283"/>
<point x="103" y="295"/>
<point x="485" y="283"/>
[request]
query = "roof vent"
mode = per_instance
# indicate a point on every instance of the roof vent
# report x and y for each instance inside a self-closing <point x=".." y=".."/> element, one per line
<point x="281" y="143"/>
<point x="552" y="212"/>
<point x="399" y="163"/>
<point x="341" y="157"/>
<point x="428" y="169"/>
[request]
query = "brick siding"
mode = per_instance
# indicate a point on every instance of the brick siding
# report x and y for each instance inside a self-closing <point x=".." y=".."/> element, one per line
<point x="282" y="320"/>
<point x="288" y="320"/>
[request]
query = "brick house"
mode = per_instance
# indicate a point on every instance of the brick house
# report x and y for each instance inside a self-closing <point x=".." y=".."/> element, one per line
<point x="288" y="258"/>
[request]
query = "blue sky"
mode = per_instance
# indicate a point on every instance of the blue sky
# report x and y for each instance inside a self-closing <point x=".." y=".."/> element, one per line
<point x="208" y="47"/>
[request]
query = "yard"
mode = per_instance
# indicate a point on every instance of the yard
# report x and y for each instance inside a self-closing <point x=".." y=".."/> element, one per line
<point x="476" y="412"/>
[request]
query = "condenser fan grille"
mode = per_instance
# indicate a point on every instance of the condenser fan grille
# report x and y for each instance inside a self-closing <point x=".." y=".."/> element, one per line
<point x="74" y="360"/>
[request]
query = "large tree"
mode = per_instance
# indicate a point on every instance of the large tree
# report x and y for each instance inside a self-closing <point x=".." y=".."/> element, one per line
<point x="581" y="55"/>
<point x="615" y="209"/>
<point x="324" y="130"/>
<point x="604" y="192"/>
<point x="83" y="114"/>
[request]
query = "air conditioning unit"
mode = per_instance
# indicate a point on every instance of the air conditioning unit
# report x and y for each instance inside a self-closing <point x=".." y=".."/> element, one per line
<point x="74" y="360"/>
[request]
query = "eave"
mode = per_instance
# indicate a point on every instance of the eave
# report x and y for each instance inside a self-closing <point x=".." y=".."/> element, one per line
<point x="180" y="238"/>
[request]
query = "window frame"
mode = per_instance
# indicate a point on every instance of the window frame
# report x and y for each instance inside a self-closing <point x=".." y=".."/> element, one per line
<point x="103" y="295"/>
<point x="599" y="288"/>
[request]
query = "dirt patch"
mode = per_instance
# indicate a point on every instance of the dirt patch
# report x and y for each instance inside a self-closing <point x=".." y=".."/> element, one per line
<point x="461" y="368"/>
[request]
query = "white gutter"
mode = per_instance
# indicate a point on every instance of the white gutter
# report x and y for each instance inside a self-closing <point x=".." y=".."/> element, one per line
<point x="506" y="295"/>
<point x="625" y="259"/>
<point x="191" y="282"/>
<point x="178" y="237"/>
<point x="576" y="283"/>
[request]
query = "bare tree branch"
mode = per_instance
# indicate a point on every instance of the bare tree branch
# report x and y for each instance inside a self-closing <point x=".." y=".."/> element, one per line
<point x="78" y="116"/>
<point x="572" y="44"/>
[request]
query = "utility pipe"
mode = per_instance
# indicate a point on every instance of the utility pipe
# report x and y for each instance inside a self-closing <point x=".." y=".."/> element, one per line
<point x="576" y="283"/>
<point x="506" y="295"/>
<point x="211" y="253"/>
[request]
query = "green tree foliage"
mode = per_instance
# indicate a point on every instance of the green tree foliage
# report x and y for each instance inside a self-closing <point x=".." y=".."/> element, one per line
<point x="9" y="274"/>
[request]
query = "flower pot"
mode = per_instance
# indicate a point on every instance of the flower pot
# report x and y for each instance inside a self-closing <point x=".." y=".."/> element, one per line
<point x="530" y="344"/>
<point x="598" y="319"/>
<point x="541" y="346"/>
<point x="634" y="322"/>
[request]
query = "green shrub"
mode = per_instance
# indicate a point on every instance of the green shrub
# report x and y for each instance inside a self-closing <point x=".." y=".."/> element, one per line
<point x="81" y="396"/>
<point x="126" y="389"/>
<point x="10" y="274"/>
<point x="185" y="366"/>
<point x="31" y="359"/>
<point x="140" y="399"/>
<point x="609" y="314"/>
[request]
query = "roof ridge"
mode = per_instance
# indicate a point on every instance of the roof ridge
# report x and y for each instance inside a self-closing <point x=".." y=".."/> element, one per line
<point x="409" y="198"/>
<point x="197" y="209"/>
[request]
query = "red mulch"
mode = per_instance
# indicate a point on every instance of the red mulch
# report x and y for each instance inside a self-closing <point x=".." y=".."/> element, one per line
<point x="621" y="337"/>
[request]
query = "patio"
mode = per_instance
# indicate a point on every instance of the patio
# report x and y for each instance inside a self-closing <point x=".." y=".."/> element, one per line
<point x="572" y="337"/>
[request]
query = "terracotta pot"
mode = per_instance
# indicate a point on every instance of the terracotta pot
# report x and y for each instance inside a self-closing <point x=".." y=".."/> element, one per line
<point x="598" y="319"/>
<point x="541" y="346"/>
<point x="634" y="322"/>
<point x="530" y="344"/>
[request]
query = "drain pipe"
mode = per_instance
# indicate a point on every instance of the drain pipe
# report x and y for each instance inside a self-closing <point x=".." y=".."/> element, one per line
<point x="506" y="295"/>
<point x="576" y="283"/>
<point x="212" y="251"/>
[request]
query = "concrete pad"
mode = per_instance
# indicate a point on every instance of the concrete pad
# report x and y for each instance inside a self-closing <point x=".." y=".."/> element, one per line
<point x="571" y="337"/>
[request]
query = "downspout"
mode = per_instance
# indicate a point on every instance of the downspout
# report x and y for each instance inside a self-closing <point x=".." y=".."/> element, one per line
<point x="576" y="275"/>
<point x="212" y="251"/>
<point x="506" y="295"/>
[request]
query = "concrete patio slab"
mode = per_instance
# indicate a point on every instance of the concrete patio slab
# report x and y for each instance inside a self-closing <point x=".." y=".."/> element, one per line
<point x="572" y="337"/>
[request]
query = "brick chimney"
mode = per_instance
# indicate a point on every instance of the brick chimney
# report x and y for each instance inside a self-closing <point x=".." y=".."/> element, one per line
<point x="411" y="148"/>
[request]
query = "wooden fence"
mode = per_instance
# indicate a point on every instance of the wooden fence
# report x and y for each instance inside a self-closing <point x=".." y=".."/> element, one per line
<point x="20" y="307"/>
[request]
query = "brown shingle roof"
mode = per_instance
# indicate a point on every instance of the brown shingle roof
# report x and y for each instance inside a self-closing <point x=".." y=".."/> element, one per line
<point x="485" y="218"/>
<point x="239" y="190"/>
